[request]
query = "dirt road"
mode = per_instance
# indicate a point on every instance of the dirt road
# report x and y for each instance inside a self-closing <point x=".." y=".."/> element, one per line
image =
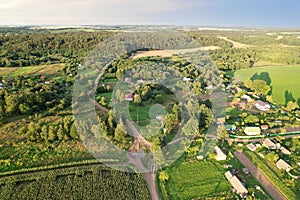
<point x="262" y="179"/>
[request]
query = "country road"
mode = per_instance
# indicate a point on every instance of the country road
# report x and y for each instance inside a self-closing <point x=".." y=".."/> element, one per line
<point x="262" y="179"/>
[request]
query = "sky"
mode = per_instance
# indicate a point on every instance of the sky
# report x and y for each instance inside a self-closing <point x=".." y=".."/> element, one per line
<point x="246" y="13"/>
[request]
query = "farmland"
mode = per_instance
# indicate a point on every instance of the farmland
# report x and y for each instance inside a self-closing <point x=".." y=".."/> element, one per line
<point x="96" y="182"/>
<point x="284" y="80"/>
<point x="189" y="180"/>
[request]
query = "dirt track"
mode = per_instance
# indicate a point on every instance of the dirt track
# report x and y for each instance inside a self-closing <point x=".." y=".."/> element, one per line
<point x="262" y="179"/>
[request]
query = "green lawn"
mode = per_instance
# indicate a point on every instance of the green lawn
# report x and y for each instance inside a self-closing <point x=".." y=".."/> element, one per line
<point x="199" y="179"/>
<point x="284" y="80"/>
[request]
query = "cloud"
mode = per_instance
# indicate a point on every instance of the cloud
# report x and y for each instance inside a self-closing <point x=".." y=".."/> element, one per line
<point x="90" y="11"/>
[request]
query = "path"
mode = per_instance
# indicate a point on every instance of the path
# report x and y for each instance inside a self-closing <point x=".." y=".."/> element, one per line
<point x="262" y="179"/>
<point x="236" y="44"/>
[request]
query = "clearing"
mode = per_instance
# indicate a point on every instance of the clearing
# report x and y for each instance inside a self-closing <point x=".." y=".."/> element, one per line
<point x="31" y="70"/>
<point x="236" y="44"/>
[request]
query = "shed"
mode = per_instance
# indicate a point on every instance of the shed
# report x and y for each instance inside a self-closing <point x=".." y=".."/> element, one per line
<point x="252" y="131"/>
<point x="282" y="165"/>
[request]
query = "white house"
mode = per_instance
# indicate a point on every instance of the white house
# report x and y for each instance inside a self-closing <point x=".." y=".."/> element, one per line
<point x="220" y="154"/>
<point x="236" y="184"/>
<point x="282" y="165"/>
<point x="252" y="131"/>
<point x="263" y="106"/>
<point x="269" y="144"/>
<point x="246" y="97"/>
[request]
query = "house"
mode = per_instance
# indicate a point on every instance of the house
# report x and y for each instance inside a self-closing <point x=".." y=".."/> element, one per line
<point x="220" y="154"/>
<point x="47" y="82"/>
<point x="200" y="157"/>
<point x="128" y="97"/>
<point x="269" y="144"/>
<point x="241" y="105"/>
<point x="220" y="120"/>
<point x="237" y="90"/>
<point x="246" y="97"/>
<point x="282" y="165"/>
<point x="42" y="77"/>
<point x="252" y="131"/>
<point x="230" y="127"/>
<point x="140" y="81"/>
<point x="264" y="127"/>
<point x="186" y="79"/>
<point x="285" y="151"/>
<point x="236" y="184"/>
<point x="159" y="117"/>
<point x="251" y="147"/>
<point x="263" y="106"/>
<point x="128" y="80"/>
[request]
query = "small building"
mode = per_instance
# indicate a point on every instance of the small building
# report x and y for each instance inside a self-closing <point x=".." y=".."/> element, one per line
<point x="269" y="144"/>
<point x="282" y="165"/>
<point x="42" y="77"/>
<point x="140" y="81"/>
<point x="220" y="154"/>
<point x="159" y="117"/>
<point x="285" y="151"/>
<point x="47" y="82"/>
<point x="264" y="127"/>
<point x="128" y="97"/>
<point x="246" y="97"/>
<point x="246" y="171"/>
<point x="200" y="157"/>
<point x="230" y="127"/>
<point x="220" y="120"/>
<point x="251" y="147"/>
<point x="241" y="105"/>
<point x="238" y="89"/>
<point x="128" y="80"/>
<point x="252" y="131"/>
<point x="236" y="184"/>
<point x="263" y="106"/>
<point x="186" y="79"/>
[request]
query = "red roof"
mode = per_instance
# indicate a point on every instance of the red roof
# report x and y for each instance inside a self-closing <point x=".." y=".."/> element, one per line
<point x="42" y="77"/>
<point x="128" y="96"/>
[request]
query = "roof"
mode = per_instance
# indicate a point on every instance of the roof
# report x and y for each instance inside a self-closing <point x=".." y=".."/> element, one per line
<point x="281" y="164"/>
<point x="220" y="120"/>
<point x="220" y="154"/>
<point x="269" y="144"/>
<point x="285" y="151"/>
<point x="251" y="147"/>
<point x="262" y="105"/>
<point x="128" y="96"/>
<point x="230" y="127"/>
<point x="264" y="127"/>
<point x="236" y="183"/>
<point x="252" y="130"/>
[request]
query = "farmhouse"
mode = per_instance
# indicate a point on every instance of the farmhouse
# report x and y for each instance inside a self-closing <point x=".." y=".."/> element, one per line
<point x="282" y="165"/>
<point x="263" y="106"/>
<point x="128" y="80"/>
<point x="285" y="151"/>
<point x="269" y="144"/>
<point x="128" y="97"/>
<point x="251" y="147"/>
<point x="220" y="120"/>
<point x="236" y="184"/>
<point x="220" y="154"/>
<point x="246" y="97"/>
<point x="241" y="105"/>
<point x="252" y="130"/>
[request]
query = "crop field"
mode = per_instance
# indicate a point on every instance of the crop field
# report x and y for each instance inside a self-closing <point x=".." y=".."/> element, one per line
<point x="94" y="182"/>
<point x="284" y="81"/>
<point x="197" y="180"/>
<point x="36" y="70"/>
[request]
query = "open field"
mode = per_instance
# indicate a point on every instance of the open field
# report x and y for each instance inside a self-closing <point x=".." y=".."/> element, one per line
<point x="33" y="70"/>
<point x="92" y="181"/>
<point x="170" y="53"/>
<point x="236" y="44"/>
<point x="197" y="180"/>
<point x="284" y="80"/>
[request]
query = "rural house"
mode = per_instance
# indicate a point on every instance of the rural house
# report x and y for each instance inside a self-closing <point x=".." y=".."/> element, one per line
<point x="282" y="165"/>
<point x="220" y="154"/>
<point x="252" y="131"/>
<point x="236" y="184"/>
<point x="269" y="144"/>
<point x="128" y="97"/>
<point x="263" y="106"/>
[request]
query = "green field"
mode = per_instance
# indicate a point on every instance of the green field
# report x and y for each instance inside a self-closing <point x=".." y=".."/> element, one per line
<point x="200" y="179"/>
<point x="33" y="70"/>
<point x="284" y="81"/>
<point x="81" y="182"/>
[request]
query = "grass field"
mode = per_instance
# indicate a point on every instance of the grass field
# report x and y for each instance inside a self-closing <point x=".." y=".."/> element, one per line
<point x="197" y="180"/>
<point x="33" y="70"/>
<point x="284" y="80"/>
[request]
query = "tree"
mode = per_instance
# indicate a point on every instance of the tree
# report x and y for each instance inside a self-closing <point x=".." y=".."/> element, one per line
<point x="251" y="119"/>
<point x="163" y="176"/>
<point x="73" y="131"/>
<point x="137" y="99"/>
<point x="291" y="106"/>
<point x="260" y="87"/>
<point x="103" y="101"/>
<point x="110" y="119"/>
<point x="191" y="127"/>
<point x="248" y="84"/>
<point x="120" y="134"/>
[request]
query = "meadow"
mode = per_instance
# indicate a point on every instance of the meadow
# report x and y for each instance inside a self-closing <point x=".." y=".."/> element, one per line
<point x="284" y="81"/>
<point x="202" y="179"/>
